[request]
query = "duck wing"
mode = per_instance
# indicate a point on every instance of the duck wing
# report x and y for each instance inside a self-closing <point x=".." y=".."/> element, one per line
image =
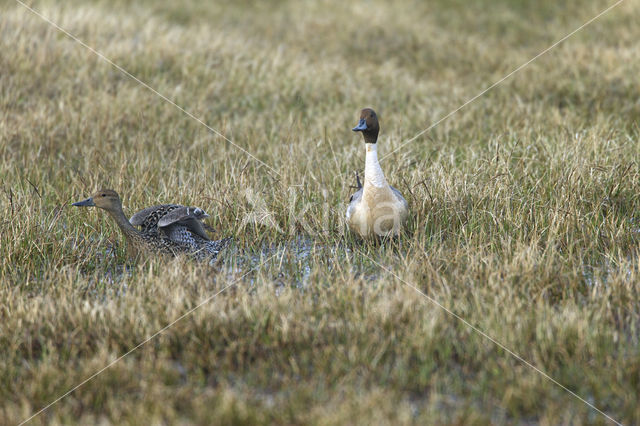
<point x="187" y="218"/>
<point x="399" y="196"/>
<point x="147" y="219"/>
<point x="174" y="229"/>
<point x="354" y="200"/>
<point x="167" y="216"/>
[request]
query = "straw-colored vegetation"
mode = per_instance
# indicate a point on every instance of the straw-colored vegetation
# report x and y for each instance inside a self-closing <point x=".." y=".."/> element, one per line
<point x="524" y="212"/>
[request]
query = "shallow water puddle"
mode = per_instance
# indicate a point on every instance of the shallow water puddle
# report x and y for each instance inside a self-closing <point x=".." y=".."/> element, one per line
<point x="286" y="264"/>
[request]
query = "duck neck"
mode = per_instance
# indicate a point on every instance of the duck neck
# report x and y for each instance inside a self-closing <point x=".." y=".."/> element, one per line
<point x="372" y="171"/>
<point x="123" y="223"/>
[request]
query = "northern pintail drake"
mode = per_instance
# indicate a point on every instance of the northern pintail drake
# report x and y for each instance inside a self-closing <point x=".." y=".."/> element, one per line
<point x="377" y="208"/>
<point x="169" y="229"/>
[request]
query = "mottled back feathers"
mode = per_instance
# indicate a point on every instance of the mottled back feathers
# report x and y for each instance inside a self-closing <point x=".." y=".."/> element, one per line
<point x="178" y="225"/>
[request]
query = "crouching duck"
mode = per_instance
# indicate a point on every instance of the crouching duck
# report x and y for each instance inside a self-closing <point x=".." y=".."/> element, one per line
<point x="377" y="208"/>
<point x="169" y="229"/>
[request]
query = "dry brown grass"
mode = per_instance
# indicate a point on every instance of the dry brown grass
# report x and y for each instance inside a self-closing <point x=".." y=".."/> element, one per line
<point x="523" y="212"/>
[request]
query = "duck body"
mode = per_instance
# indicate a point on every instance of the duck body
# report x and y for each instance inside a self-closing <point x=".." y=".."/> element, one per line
<point x="180" y="228"/>
<point x="377" y="208"/>
<point x="169" y="229"/>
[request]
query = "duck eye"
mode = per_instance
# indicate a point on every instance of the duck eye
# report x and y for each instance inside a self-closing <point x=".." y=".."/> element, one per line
<point x="103" y="195"/>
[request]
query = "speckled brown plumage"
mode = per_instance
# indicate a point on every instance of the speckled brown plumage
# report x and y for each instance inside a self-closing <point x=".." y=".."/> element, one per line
<point x="169" y="229"/>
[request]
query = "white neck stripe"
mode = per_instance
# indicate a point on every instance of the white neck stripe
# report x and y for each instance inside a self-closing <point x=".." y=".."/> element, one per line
<point x="372" y="170"/>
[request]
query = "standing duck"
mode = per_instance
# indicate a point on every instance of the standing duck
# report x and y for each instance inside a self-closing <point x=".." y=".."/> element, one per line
<point x="167" y="228"/>
<point x="377" y="208"/>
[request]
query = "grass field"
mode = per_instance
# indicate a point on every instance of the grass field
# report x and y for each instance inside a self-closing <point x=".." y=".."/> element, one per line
<point x="524" y="212"/>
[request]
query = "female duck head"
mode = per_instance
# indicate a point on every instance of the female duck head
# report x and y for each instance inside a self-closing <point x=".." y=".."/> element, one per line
<point x="106" y="199"/>
<point x="368" y="125"/>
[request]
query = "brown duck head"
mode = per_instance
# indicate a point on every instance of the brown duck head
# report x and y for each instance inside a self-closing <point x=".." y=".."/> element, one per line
<point x="368" y="125"/>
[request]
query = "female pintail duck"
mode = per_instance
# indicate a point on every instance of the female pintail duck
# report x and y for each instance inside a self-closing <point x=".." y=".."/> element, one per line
<point x="377" y="208"/>
<point x="167" y="228"/>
